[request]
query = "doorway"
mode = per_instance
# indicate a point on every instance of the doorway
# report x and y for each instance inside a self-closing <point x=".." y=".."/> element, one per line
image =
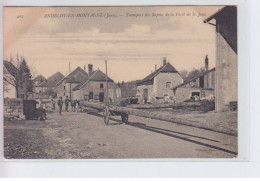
<point x="101" y="97"/>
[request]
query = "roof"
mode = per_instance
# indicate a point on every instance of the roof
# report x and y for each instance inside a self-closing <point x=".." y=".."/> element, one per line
<point x="97" y="76"/>
<point x="180" y="85"/>
<point x="149" y="79"/>
<point x="39" y="78"/>
<point x="218" y="13"/>
<point x="52" y="80"/>
<point x="226" y="22"/>
<point x="75" y="76"/>
<point x="10" y="68"/>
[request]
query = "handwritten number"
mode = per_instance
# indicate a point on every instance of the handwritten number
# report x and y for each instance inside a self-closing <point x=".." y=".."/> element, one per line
<point x="19" y="16"/>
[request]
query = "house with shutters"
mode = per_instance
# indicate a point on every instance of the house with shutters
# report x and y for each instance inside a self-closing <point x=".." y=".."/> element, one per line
<point x="157" y="85"/>
<point x="94" y="88"/>
<point x="66" y="85"/>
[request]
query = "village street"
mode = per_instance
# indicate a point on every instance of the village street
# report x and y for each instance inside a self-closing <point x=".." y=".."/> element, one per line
<point x="81" y="135"/>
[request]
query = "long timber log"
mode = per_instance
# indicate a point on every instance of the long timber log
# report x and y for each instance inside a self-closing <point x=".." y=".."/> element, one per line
<point x="168" y="105"/>
<point x="163" y="117"/>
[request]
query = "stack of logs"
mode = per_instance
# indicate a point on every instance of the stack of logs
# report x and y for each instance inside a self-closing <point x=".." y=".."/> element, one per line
<point x="140" y="110"/>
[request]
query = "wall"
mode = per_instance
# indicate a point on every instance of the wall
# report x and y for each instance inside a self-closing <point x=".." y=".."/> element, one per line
<point x="139" y="94"/>
<point x="94" y="87"/>
<point x="128" y="91"/>
<point x="184" y="93"/>
<point x="13" y="109"/>
<point x="210" y="77"/>
<point x="160" y="83"/>
<point x="226" y="75"/>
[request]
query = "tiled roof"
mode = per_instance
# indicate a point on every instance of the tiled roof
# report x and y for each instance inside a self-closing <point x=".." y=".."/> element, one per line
<point x="213" y="69"/>
<point x="97" y="76"/>
<point x="75" y="76"/>
<point x="149" y="79"/>
<point x="52" y="80"/>
<point x="39" y="78"/>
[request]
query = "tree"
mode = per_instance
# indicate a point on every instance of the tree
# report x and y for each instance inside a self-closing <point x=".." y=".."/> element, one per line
<point x="25" y="75"/>
<point x="16" y="75"/>
<point x="184" y="74"/>
<point x="192" y="74"/>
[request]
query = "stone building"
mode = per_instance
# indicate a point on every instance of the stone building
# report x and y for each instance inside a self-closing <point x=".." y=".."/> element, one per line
<point x="38" y="80"/>
<point x="157" y="86"/>
<point x="66" y="85"/>
<point x="226" y="56"/>
<point x="94" y="88"/>
<point x="201" y="86"/>
<point x="48" y="86"/>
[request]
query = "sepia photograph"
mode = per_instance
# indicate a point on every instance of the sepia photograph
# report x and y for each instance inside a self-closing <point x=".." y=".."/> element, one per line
<point x="120" y="82"/>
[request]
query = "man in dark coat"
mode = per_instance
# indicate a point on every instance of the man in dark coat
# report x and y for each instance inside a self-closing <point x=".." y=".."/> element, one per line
<point x="60" y="103"/>
<point x="67" y="104"/>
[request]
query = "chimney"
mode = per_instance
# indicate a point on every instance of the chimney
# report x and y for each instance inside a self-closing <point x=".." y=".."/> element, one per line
<point x="206" y="68"/>
<point x="90" y="69"/>
<point x="85" y="68"/>
<point x="155" y="67"/>
<point x="164" y="61"/>
<point x="206" y="63"/>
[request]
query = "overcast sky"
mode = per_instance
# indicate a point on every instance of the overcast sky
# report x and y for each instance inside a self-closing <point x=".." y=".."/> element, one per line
<point x="131" y="45"/>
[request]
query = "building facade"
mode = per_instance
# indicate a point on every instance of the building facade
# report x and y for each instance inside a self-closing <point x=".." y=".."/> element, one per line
<point x="66" y="85"/>
<point x="157" y="86"/>
<point x="48" y="88"/>
<point x="201" y="87"/>
<point x="98" y="88"/>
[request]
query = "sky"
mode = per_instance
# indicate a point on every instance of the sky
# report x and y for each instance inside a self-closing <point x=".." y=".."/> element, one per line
<point x="132" y="39"/>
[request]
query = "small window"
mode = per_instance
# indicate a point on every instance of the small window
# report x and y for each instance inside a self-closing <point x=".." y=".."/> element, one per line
<point x="64" y="87"/>
<point x="168" y="85"/>
<point x="101" y="86"/>
<point x="64" y="93"/>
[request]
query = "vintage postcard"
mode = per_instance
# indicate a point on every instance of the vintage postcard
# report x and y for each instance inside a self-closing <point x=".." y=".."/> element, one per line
<point x="120" y="82"/>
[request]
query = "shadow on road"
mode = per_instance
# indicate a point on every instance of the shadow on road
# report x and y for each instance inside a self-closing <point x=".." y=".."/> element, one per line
<point x="168" y="133"/>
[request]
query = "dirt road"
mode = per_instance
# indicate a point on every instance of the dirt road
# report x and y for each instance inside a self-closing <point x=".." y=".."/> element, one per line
<point x="81" y="135"/>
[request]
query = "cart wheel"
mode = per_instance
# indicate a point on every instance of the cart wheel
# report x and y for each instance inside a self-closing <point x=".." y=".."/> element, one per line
<point x="106" y="115"/>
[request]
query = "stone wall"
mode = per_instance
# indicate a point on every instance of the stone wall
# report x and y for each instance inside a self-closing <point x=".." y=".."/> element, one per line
<point x="13" y="109"/>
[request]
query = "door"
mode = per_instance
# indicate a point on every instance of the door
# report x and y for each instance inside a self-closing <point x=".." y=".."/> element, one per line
<point x="145" y="95"/>
<point x="101" y="97"/>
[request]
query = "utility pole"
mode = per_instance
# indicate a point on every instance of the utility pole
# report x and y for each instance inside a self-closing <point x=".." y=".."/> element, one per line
<point x="106" y="84"/>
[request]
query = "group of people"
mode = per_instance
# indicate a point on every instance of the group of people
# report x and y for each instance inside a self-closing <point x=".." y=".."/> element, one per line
<point x="75" y="105"/>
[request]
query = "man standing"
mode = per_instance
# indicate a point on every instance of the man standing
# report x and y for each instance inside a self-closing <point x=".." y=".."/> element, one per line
<point x="60" y="103"/>
<point x="53" y="104"/>
<point x="67" y="104"/>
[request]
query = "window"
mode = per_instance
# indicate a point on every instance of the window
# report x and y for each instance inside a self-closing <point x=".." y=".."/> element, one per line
<point x="64" y="87"/>
<point x="91" y="95"/>
<point x="168" y="85"/>
<point x="101" y="85"/>
<point x="64" y="93"/>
